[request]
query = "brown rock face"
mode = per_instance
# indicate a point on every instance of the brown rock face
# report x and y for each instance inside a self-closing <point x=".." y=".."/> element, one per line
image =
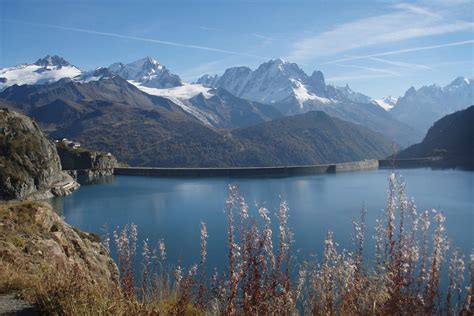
<point x="32" y="234"/>
<point x="29" y="163"/>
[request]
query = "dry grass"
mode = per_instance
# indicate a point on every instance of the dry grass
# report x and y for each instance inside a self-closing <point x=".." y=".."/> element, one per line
<point x="262" y="277"/>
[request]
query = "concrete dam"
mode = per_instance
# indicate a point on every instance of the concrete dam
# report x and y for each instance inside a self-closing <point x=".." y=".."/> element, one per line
<point x="248" y="171"/>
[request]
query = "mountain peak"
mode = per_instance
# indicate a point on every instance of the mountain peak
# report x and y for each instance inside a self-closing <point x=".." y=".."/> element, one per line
<point x="460" y="81"/>
<point x="278" y="61"/>
<point x="54" y="60"/>
<point x="281" y="64"/>
<point x="208" y="80"/>
<point x="148" y="72"/>
<point x="317" y="83"/>
<point x="147" y="64"/>
<point x="151" y="60"/>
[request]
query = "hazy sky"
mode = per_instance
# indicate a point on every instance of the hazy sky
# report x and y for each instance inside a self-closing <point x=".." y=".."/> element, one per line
<point x="377" y="47"/>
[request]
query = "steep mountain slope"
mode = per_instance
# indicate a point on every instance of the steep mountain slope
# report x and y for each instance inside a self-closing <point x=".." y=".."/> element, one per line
<point x="313" y="137"/>
<point x="285" y="86"/>
<point x="310" y="138"/>
<point x="421" y="108"/>
<point x="451" y="137"/>
<point x="45" y="70"/>
<point x="148" y="72"/>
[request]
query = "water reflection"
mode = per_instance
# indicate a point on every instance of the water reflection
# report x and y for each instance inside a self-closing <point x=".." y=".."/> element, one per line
<point x="86" y="180"/>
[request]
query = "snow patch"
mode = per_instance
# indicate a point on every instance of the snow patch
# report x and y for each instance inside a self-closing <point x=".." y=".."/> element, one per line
<point x="186" y="91"/>
<point x="386" y="103"/>
<point x="302" y="94"/>
<point x="34" y="74"/>
<point x="180" y="96"/>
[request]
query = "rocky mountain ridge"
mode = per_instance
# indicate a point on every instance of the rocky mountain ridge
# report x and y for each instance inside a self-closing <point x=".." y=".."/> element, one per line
<point x="276" y="83"/>
<point x="420" y="108"/>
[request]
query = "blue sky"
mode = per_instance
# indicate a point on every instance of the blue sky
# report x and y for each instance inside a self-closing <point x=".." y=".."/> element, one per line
<point x="377" y="47"/>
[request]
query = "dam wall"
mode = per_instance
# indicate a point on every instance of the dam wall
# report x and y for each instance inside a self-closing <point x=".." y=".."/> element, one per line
<point x="247" y="171"/>
<point x="357" y="165"/>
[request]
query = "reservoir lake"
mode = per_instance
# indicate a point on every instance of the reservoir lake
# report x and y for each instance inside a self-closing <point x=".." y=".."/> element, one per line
<point x="172" y="208"/>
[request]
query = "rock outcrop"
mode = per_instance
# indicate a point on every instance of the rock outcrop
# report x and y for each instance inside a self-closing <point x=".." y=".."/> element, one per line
<point x="32" y="235"/>
<point x="30" y="167"/>
<point x="82" y="162"/>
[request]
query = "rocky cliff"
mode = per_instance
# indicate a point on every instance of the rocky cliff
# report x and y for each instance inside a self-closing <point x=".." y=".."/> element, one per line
<point x="30" y="167"/>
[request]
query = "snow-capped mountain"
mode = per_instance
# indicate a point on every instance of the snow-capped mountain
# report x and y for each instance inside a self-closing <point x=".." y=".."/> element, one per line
<point x="240" y="97"/>
<point x="289" y="89"/>
<point x="272" y="82"/>
<point x="421" y="107"/>
<point x="284" y="85"/>
<point x="386" y="103"/>
<point x="43" y="71"/>
<point x="148" y="72"/>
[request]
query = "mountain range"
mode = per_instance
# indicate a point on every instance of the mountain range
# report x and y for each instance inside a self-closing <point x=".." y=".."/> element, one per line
<point x="146" y="95"/>
<point x="289" y="89"/>
<point x="420" y="108"/>
<point x="113" y="115"/>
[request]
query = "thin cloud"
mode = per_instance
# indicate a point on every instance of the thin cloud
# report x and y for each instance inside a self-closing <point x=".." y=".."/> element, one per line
<point x="399" y="63"/>
<point x="416" y="9"/>
<point x="401" y="51"/>
<point x="453" y="63"/>
<point x="141" y="39"/>
<point x="406" y="22"/>
<point x="356" y="77"/>
<point x="379" y="70"/>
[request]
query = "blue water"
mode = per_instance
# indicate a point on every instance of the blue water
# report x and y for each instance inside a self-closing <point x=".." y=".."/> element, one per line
<point x="172" y="208"/>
